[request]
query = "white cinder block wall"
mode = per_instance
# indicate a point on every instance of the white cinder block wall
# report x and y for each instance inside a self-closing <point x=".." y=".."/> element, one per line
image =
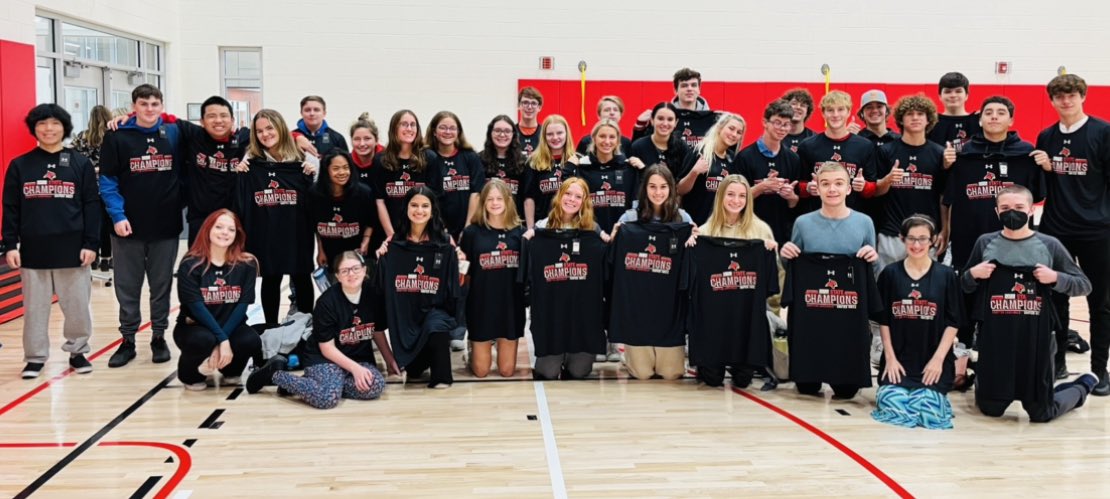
<point x="466" y="56"/>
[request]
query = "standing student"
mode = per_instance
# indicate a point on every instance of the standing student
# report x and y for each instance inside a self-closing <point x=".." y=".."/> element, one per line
<point x="1014" y="270"/>
<point x="662" y="146"/>
<point x="708" y="164"/>
<point x="1075" y="153"/>
<point x="321" y="139"/>
<point x="455" y="172"/>
<point x="911" y="179"/>
<point x="365" y="147"/>
<point x="505" y="161"/>
<point x="548" y="163"/>
<point x="402" y="167"/>
<point x="87" y="142"/>
<point x="495" y="303"/>
<point x="339" y="357"/>
<point x="211" y="152"/>
<point x="418" y="271"/>
<point x="801" y="101"/>
<point x="610" y="175"/>
<point x="833" y="229"/>
<point x="342" y="210"/>
<point x="51" y="229"/>
<point x="694" y="116"/>
<point x="657" y="203"/>
<point x="609" y="107"/>
<point x="774" y="171"/>
<point x="837" y="145"/>
<point x="215" y="285"/>
<point x="955" y="126"/>
<point x="141" y="189"/>
<point x="529" y="102"/>
<point x="874" y="111"/>
<point x="922" y="310"/>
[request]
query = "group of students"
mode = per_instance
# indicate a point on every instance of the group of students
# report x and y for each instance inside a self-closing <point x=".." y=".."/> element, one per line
<point x="431" y="240"/>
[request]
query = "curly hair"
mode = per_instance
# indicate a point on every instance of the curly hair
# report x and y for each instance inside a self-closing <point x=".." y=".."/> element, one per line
<point x="919" y="103"/>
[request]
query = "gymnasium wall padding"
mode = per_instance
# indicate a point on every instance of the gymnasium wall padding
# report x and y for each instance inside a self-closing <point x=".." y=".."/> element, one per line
<point x="17" y="96"/>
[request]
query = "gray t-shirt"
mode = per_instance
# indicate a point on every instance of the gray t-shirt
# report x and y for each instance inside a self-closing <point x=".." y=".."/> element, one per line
<point x="815" y="233"/>
<point x="1028" y="252"/>
<point x="632" y="215"/>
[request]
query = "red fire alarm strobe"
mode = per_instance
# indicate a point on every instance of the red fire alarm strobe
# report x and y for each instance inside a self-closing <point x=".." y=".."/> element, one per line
<point x="547" y="62"/>
<point x="1001" y="67"/>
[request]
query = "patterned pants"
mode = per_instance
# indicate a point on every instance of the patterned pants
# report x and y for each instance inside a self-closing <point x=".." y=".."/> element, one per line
<point x="324" y="384"/>
<point x="910" y="408"/>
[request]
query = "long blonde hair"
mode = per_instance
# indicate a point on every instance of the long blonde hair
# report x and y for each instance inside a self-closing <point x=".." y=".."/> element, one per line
<point x="98" y="124"/>
<point x="584" y="219"/>
<point x="708" y="146"/>
<point x="543" y="158"/>
<point x="749" y="226"/>
<point x="511" y="217"/>
<point x="284" y="150"/>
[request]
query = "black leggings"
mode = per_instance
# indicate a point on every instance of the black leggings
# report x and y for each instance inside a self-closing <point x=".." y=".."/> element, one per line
<point x="436" y="355"/>
<point x="196" y="343"/>
<point x="1094" y="259"/>
<point x="271" y="294"/>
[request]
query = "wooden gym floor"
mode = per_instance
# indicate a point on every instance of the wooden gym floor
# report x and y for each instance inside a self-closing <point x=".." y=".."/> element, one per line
<point x="134" y="432"/>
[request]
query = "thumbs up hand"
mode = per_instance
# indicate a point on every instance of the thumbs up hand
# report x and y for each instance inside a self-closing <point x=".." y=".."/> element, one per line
<point x="949" y="154"/>
<point x="896" y="174"/>
<point x="859" y="182"/>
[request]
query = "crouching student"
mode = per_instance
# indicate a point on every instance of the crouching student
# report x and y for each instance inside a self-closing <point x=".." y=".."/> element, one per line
<point x="215" y="285"/>
<point x="339" y="358"/>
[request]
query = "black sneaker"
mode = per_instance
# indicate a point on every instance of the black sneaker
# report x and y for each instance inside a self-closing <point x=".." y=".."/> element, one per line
<point x="32" y="370"/>
<point x="1102" y="389"/>
<point x="264" y="376"/>
<point x="80" y="364"/>
<point x="1061" y="371"/>
<point x="103" y="266"/>
<point x="123" y="355"/>
<point x="159" y="350"/>
<point x="1076" y="343"/>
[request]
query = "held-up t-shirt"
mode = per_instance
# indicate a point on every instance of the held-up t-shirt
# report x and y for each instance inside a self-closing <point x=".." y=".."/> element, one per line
<point x="272" y="203"/>
<point x="565" y="271"/>
<point x="495" y="303"/>
<point x="418" y="280"/>
<point x="650" y="263"/>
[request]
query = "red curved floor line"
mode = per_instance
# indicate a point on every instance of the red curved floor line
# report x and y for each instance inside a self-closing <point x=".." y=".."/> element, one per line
<point x="184" y="459"/>
<point x="36" y="390"/>
<point x="874" y="470"/>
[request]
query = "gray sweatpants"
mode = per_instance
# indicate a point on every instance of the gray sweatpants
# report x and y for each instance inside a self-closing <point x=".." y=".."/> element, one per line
<point x="73" y="286"/>
<point x="134" y="261"/>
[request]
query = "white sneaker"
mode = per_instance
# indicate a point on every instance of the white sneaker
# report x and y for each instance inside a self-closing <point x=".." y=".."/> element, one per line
<point x="231" y="381"/>
<point x="614" y="353"/>
<point x="196" y="387"/>
<point x="458" y="345"/>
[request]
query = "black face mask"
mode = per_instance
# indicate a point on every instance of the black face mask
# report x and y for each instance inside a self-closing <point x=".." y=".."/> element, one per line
<point x="1013" y="219"/>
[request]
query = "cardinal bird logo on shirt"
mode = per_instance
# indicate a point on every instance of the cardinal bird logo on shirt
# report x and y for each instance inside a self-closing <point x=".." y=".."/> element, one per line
<point x="273" y="185"/>
<point x="912" y="168"/>
<point x="961" y="135"/>
<point x="606" y="187"/>
<point x="1018" y="288"/>
<point x="419" y="269"/>
<point x="1065" y="152"/>
<point x="151" y="150"/>
<point x="405" y="176"/>
<point x="836" y="156"/>
<point x="356" y="320"/>
<point x="733" y="266"/>
<point x="452" y="172"/>
<point x="650" y="248"/>
<point x="832" y="284"/>
<point x="915" y="294"/>
<point x="49" y="176"/>
<point x="564" y="258"/>
<point x="218" y="155"/>
<point x="989" y="176"/>
<point x="337" y="218"/>
<point x="501" y="246"/>
<point x="501" y="174"/>
<point x="219" y="282"/>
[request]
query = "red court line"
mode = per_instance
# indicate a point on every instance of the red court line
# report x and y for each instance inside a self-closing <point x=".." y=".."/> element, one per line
<point x="38" y="389"/>
<point x="184" y="459"/>
<point x="874" y="470"/>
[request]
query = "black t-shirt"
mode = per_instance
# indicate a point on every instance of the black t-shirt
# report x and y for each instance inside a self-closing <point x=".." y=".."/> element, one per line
<point x="1078" y="187"/>
<point x="794" y="140"/>
<point x="921" y="186"/>
<point x="567" y="289"/>
<point x="584" y="145"/>
<point x="144" y="164"/>
<point x="209" y="168"/>
<point x="220" y="288"/>
<point x="770" y="207"/>
<point x="367" y="179"/>
<point x="699" y="201"/>
<point x="519" y="182"/>
<point x="455" y="179"/>
<point x="495" y="303"/>
<point x="528" y="143"/>
<point x="350" y="325"/>
<point x="830" y="299"/>
<point x="650" y="265"/>
<point x="692" y="125"/>
<point x="612" y="185"/>
<point x="974" y="181"/>
<point x="731" y="280"/>
<point x="1016" y="339"/>
<point x="544" y="187"/>
<point x="879" y="141"/>
<point x="917" y="312"/>
<point x="853" y="151"/>
<point x="673" y="157"/>
<point x="339" y="223"/>
<point x="272" y="204"/>
<point x="416" y="278"/>
<point x="392" y="186"/>
<point x="955" y="129"/>
<point x="51" y="208"/>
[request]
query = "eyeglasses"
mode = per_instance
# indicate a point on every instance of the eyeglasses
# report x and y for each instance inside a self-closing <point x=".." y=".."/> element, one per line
<point x="778" y="124"/>
<point x="529" y="103"/>
<point x="356" y="270"/>
<point x="447" y="129"/>
<point x="407" y="124"/>
<point x="502" y="131"/>
<point x="918" y="240"/>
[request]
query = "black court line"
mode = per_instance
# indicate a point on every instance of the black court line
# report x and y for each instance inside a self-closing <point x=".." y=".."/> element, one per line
<point x="145" y="488"/>
<point x="842" y="412"/>
<point x="96" y="437"/>
<point x="189" y="442"/>
<point x="235" y="394"/>
<point x="169" y="460"/>
<point x="212" y="422"/>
